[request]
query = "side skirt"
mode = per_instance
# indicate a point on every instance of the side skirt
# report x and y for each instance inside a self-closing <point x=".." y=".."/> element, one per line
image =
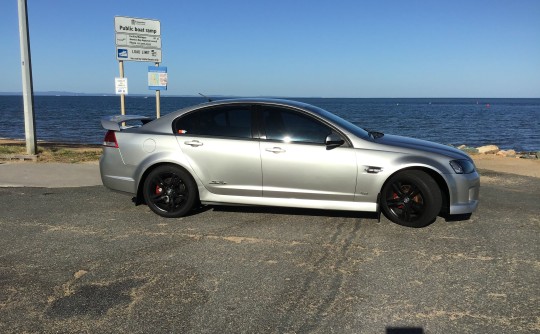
<point x="289" y="202"/>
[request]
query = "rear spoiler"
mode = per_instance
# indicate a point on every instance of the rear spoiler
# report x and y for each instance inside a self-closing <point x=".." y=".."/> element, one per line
<point x="113" y="122"/>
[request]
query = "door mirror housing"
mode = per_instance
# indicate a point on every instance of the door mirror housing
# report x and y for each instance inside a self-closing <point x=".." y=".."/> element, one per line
<point x="334" y="140"/>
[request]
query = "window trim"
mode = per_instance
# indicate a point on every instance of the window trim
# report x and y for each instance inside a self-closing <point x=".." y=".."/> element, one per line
<point x="262" y="131"/>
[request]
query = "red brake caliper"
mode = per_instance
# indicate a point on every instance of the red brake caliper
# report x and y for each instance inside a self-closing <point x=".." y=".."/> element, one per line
<point x="395" y="196"/>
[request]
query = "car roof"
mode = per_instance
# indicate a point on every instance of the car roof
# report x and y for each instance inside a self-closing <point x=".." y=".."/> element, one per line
<point x="268" y="101"/>
<point x="283" y="102"/>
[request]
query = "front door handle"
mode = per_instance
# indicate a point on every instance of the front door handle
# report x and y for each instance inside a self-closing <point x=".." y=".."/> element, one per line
<point x="193" y="143"/>
<point x="275" y="150"/>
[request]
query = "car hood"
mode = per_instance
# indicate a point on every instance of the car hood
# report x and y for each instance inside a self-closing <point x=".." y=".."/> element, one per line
<point x="421" y="145"/>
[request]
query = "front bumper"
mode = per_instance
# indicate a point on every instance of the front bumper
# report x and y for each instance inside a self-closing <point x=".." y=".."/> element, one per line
<point x="464" y="193"/>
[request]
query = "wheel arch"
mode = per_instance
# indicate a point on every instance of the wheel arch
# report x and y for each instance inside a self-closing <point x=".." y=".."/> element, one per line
<point x="139" y="198"/>
<point x="435" y="175"/>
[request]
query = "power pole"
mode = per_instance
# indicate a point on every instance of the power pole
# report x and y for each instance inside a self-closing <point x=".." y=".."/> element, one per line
<point x="28" y="89"/>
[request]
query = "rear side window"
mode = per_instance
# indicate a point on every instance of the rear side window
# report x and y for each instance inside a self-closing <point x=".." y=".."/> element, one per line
<point x="291" y="126"/>
<point x="230" y="121"/>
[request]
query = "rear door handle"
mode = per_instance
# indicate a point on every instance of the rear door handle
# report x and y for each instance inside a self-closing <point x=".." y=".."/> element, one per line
<point x="193" y="143"/>
<point x="275" y="150"/>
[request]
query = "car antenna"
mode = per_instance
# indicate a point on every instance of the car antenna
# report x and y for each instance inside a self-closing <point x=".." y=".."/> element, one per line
<point x="206" y="97"/>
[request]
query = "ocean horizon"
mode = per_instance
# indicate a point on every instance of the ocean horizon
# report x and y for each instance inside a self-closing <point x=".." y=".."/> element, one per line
<point x="510" y="123"/>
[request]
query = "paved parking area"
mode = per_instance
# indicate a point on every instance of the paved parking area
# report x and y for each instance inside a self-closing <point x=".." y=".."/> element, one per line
<point x="87" y="260"/>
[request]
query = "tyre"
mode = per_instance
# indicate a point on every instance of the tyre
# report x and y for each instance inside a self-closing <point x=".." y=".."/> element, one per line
<point x="170" y="191"/>
<point x="411" y="198"/>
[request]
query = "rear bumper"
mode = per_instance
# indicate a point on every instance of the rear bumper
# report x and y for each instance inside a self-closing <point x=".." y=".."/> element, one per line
<point x="115" y="174"/>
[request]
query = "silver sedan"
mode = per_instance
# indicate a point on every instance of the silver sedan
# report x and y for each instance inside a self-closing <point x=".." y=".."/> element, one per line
<point x="286" y="154"/>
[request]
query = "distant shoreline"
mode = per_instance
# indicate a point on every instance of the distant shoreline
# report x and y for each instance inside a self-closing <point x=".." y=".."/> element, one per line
<point x="219" y="96"/>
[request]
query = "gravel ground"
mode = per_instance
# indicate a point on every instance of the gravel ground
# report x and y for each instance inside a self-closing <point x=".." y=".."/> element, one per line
<point x="86" y="260"/>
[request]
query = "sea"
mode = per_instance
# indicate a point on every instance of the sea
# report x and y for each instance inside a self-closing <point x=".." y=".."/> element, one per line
<point x="507" y="123"/>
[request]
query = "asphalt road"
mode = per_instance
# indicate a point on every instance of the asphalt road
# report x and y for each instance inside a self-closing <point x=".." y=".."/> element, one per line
<point x="75" y="260"/>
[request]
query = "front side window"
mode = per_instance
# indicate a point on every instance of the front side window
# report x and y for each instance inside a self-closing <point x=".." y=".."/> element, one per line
<point x="229" y="121"/>
<point x="291" y="126"/>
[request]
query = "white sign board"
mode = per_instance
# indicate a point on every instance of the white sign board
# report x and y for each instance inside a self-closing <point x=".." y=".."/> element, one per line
<point x="137" y="39"/>
<point x="121" y="86"/>
<point x="138" y="54"/>
<point x="133" y="25"/>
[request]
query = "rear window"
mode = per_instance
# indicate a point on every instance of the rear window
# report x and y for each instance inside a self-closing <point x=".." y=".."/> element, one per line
<point x="229" y="121"/>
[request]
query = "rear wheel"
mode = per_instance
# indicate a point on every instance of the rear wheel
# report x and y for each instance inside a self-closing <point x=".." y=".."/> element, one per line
<point x="411" y="198"/>
<point x="170" y="191"/>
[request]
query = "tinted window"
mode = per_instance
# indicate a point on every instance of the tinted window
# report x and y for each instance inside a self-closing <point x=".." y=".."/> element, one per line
<point x="218" y="122"/>
<point x="292" y="126"/>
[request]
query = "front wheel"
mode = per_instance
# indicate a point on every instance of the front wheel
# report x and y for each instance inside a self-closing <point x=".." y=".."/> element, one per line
<point x="169" y="191"/>
<point x="411" y="198"/>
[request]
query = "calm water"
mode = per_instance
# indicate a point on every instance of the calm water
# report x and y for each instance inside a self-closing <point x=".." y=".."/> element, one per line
<point x="507" y="123"/>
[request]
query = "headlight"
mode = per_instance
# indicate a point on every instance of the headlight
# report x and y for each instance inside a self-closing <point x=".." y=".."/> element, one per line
<point x="462" y="166"/>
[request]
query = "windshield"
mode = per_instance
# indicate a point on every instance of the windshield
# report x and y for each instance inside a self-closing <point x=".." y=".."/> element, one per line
<point x="357" y="131"/>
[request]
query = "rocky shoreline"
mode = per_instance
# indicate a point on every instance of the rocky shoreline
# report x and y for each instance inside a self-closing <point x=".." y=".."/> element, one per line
<point x="494" y="149"/>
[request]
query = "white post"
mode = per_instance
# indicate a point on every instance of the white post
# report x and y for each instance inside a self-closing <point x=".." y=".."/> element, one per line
<point x="27" y="86"/>
<point x="122" y="96"/>
<point x="158" y="104"/>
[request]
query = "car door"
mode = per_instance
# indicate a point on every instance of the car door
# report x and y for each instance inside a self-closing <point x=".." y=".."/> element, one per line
<point x="296" y="163"/>
<point x="219" y="146"/>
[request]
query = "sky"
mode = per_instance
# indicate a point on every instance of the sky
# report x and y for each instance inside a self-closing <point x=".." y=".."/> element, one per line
<point x="286" y="48"/>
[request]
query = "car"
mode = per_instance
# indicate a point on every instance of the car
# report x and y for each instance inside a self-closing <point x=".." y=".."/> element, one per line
<point x="282" y="153"/>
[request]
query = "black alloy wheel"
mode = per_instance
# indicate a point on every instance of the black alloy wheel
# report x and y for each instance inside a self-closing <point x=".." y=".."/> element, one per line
<point x="411" y="198"/>
<point x="170" y="191"/>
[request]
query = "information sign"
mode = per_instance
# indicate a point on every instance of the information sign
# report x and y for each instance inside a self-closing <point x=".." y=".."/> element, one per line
<point x="138" y="54"/>
<point x="121" y="86"/>
<point x="157" y="77"/>
<point x="137" y="26"/>
<point x="137" y="39"/>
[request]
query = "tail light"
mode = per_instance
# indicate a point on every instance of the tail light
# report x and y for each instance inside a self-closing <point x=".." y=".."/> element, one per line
<point x="110" y="139"/>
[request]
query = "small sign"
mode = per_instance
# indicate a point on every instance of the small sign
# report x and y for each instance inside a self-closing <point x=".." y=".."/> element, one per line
<point x="157" y="77"/>
<point x="121" y="86"/>
<point x="138" y="54"/>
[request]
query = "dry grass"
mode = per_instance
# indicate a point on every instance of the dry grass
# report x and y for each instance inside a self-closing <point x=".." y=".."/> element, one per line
<point x="53" y="152"/>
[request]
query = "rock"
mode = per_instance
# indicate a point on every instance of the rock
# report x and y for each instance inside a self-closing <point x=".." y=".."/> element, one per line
<point x="528" y="156"/>
<point x="538" y="155"/>
<point x="488" y="149"/>
<point x="467" y="149"/>
<point x="507" y="153"/>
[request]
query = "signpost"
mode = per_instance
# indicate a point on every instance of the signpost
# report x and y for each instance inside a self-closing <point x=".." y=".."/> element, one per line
<point x="137" y="40"/>
<point x="28" y="88"/>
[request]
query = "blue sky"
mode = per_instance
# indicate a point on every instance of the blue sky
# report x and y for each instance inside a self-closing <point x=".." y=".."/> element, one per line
<point x="291" y="48"/>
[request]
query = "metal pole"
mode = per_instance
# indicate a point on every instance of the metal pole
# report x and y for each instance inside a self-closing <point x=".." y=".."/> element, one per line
<point x="122" y="96"/>
<point x="27" y="86"/>
<point x="158" y="105"/>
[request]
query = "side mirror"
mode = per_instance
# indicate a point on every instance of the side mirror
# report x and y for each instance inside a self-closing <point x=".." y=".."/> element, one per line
<point x="334" y="140"/>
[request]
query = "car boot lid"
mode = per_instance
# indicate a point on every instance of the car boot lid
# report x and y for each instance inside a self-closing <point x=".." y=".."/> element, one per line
<point x="114" y="122"/>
